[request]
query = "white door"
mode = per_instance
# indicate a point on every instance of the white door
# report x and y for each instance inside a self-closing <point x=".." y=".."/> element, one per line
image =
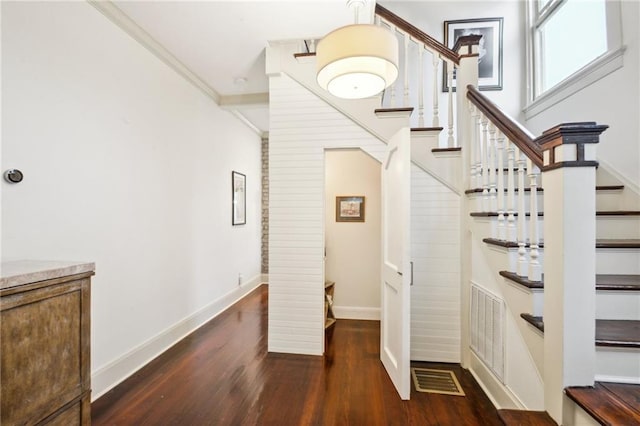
<point x="396" y="265"/>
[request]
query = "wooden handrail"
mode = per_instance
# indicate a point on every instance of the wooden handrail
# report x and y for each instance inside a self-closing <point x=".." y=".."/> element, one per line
<point x="517" y="134"/>
<point x="418" y="34"/>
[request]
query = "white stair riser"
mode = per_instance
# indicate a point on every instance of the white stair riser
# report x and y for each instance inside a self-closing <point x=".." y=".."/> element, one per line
<point x="619" y="305"/>
<point x="618" y="261"/>
<point x="605" y="201"/>
<point x="618" y="227"/>
<point x="620" y="365"/>
<point x="612" y="227"/>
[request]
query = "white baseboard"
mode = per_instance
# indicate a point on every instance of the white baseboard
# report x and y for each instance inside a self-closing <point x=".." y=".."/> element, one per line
<point x="499" y="395"/>
<point x="356" y="312"/>
<point x="108" y="376"/>
<point x="618" y="379"/>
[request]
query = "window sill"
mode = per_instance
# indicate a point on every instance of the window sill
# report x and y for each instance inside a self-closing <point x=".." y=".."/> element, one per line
<point x="601" y="67"/>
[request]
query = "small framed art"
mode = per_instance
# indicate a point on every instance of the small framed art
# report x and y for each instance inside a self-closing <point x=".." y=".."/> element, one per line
<point x="350" y="208"/>
<point x="239" y="198"/>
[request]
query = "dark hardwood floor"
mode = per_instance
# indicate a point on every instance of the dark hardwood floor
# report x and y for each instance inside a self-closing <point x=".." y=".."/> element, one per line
<point x="222" y="375"/>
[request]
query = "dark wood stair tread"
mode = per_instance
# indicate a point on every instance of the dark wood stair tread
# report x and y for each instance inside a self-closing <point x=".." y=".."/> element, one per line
<point x="522" y="280"/>
<point x="541" y="214"/>
<point x="609" y="403"/>
<point x="506" y="244"/>
<point x="603" y="281"/>
<point x="618" y="333"/>
<point x="534" y="321"/>
<point x="618" y="282"/>
<point x="618" y="243"/>
<point x="613" y="333"/>
<point x="600" y="243"/>
<point x="429" y="129"/>
<point x="436" y="150"/>
<point x="526" y="418"/>
<point x="598" y="188"/>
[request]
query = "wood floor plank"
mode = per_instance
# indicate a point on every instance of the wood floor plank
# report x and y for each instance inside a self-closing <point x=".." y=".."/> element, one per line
<point x="222" y="375"/>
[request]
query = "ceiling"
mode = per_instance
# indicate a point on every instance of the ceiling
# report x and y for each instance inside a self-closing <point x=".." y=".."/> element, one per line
<point x="220" y="45"/>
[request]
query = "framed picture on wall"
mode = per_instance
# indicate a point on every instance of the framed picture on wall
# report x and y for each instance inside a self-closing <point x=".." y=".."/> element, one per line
<point x="490" y="50"/>
<point x="350" y="208"/>
<point x="239" y="198"/>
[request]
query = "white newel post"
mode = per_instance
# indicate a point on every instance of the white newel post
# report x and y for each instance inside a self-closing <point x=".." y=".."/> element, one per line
<point x="467" y="73"/>
<point x="568" y="178"/>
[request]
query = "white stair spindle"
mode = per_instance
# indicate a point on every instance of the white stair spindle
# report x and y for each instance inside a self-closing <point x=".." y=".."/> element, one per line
<point x="485" y="163"/>
<point x="473" y="146"/>
<point x="535" y="268"/>
<point x="436" y="119"/>
<point x="502" y="225"/>
<point x="406" y="69"/>
<point x="493" y="201"/>
<point x="312" y="46"/>
<point x="522" y="218"/>
<point x="420" y="85"/>
<point x="512" y="233"/>
<point x="450" y="140"/>
<point x="478" y="153"/>
<point x="393" y="86"/>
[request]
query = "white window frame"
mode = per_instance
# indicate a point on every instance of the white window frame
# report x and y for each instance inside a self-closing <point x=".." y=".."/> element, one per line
<point x="600" y="67"/>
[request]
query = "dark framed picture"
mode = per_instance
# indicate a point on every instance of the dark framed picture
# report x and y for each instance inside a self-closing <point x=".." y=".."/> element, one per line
<point x="490" y="50"/>
<point x="350" y="208"/>
<point x="239" y="198"/>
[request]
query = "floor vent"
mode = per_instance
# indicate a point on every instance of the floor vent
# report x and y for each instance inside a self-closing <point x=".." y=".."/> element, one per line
<point x="436" y="381"/>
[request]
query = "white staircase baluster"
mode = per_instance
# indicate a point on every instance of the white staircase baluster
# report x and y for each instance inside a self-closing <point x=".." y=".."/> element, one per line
<point x="512" y="233"/>
<point x="502" y="226"/>
<point x="406" y="69"/>
<point x="473" y="146"/>
<point x="450" y="140"/>
<point x="522" y="218"/>
<point x="478" y="153"/>
<point x="436" y="119"/>
<point x="312" y="45"/>
<point x="420" y="85"/>
<point x="485" y="164"/>
<point x="392" y="100"/>
<point x="535" y="268"/>
<point x="493" y="203"/>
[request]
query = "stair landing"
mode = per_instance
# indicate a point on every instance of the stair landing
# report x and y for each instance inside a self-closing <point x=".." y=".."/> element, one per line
<point x="609" y="403"/>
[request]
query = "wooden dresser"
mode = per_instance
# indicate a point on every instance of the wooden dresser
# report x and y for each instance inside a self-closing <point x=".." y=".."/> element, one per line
<point x="45" y="324"/>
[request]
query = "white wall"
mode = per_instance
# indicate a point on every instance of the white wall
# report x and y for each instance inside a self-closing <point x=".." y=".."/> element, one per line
<point x="429" y="16"/>
<point x="353" y="248"/>
<point x="128" y="165"/>
<point x="435" y="252"/>
<point x="612" y="100"/>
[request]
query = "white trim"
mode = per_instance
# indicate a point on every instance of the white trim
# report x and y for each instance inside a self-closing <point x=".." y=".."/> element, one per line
<point x="599" y="68"/>
<point x="632" y="380"/>
<point x="502" y="392"/>
<point x="356" y="312"/>
<point x="628" y="185"/>
<point x="129" y="26"/>
<point x="245" y="100"/>
<point x="116" y="371"/>
<point x="247" y="123"/>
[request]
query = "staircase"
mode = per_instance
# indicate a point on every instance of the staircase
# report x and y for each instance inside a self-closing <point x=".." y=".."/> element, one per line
<point x="555" y="243"/>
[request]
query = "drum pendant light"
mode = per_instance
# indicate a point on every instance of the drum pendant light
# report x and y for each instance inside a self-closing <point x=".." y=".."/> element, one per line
<point x="357" y="61"/>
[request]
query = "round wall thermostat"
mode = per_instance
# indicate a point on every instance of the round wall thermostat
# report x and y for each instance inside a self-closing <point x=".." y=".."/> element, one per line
<point x="13" y="176"/>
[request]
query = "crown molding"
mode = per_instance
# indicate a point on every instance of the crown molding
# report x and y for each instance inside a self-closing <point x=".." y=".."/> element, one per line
<point x="128" y="25"/>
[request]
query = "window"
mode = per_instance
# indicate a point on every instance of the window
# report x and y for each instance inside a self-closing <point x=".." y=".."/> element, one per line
<point x="571" y="44"/>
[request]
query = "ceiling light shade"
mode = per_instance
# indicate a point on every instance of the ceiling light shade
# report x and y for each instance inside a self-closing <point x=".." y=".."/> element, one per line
<point x="357" y="61"/>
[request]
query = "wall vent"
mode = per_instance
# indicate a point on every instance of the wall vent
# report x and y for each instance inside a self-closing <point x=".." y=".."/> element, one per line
<point x="487" y="329"/>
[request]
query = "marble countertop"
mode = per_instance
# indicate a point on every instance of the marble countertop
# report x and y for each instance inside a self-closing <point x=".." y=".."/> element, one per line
<point x="22" y="272"/>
